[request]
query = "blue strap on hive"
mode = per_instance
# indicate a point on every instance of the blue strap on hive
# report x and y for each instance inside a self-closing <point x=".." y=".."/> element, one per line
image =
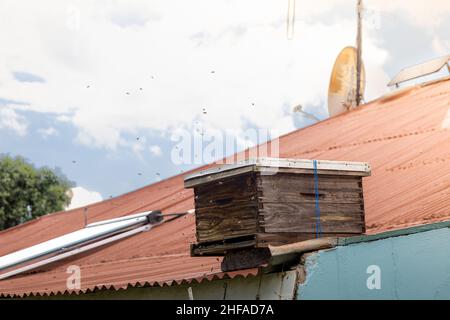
<point x="316" y="191"/>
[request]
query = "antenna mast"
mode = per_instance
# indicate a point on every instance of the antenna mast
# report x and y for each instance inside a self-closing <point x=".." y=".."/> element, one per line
<point x="359" y="9"/>
<point x="291" y="19"/>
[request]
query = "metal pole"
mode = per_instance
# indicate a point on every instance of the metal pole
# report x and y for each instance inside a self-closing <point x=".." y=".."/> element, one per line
<point x="75" y="252"/>
<point x="291" y="19"/>
<point x="359" y="49"/>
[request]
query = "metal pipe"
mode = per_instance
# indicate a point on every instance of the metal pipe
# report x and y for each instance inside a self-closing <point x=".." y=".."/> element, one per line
<point x="359" y="57"/>
<point x="124" y="218"/>
<point x="113" y="230"/>
<point x="178" y="215"/>
<point x="69" y="240"/>
<point x="75" y="251"/>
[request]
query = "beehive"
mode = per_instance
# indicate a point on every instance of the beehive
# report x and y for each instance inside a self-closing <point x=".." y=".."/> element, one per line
<point x="276" y="201"/>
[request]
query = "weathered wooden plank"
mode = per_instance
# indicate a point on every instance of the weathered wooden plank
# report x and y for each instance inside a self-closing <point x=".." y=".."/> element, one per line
<point x="280" y="209"/>
<point x="305" y="183"/>
<point x="329" y="219"/>
<point x="292" y="171"/>
<point x="217" y="176"/>
<point x="363" y="216"/>
<point x="242" y="188"/>
<point x="227" y="202"/>
<point x="216" y="229"/>
<point x="245" y="259"/>
<point x="303" y="196"/>
<point x="219" y="249"/>
<point x="290" y="225"/>
<point x="279" y="239"/>
<point x="353" y="228"/>
<point x="227" y="228"/>
<point x="298" y="217"/>
<point x="226" y="208"/>
<point x="231" y="227"/>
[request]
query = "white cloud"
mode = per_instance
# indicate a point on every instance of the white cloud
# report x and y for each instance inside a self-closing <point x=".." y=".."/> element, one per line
<point x="441" y="46"/>
<point x="10" y="119"/>
<point x="138" y="146"/>
<point x="156" y="151"/>
<point x="83" y="197"/>
<point x="48" y="132"/>
<point x="95" y="68"/>
<point x="420" y="12"/>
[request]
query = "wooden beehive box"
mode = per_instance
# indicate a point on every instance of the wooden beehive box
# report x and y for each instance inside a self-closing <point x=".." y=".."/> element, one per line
<point x="273" y="201"/>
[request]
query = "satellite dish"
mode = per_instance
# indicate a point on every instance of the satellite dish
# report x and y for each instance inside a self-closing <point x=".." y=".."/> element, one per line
<point x="421" y="70"/>
<point x="342" y="94"/>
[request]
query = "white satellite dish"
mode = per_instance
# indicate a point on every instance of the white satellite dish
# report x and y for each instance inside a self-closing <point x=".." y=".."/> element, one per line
<point x="342" y="93"/>
<point x="421" y="70"/>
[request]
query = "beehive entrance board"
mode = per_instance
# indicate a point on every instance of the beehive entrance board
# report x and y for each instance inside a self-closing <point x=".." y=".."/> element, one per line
<point x="273" y="201"/>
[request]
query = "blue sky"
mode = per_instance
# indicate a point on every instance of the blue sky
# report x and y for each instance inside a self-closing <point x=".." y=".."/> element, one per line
<point x="100" y="89"/>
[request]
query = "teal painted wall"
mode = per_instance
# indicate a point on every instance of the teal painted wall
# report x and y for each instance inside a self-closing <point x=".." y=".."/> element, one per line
<point x="415" y="266"/>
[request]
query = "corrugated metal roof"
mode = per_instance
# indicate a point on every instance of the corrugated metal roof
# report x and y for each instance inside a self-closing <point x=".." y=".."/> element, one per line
<point x="158" y="257"/>
<point x="402" y="136"/>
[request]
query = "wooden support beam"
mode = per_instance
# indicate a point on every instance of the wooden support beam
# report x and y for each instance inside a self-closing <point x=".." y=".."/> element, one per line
<point x="220" y="248"/>
<point x="305" y="246"/>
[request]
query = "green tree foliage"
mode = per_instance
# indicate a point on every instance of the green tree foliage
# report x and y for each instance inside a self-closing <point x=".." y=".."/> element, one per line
<point x="27" y="192"/>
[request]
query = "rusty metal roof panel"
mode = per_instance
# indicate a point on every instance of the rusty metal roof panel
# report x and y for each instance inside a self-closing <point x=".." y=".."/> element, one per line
<point x="158" y="257"/>
<point x="405" y="137"/>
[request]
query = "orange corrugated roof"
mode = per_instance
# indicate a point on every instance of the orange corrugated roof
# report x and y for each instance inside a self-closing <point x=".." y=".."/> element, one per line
<point x="402" y="136"/>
